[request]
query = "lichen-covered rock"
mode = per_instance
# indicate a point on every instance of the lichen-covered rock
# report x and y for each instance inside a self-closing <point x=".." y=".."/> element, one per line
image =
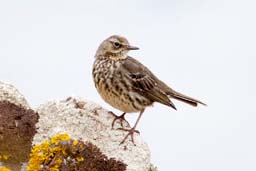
<point x="9" y="93"/>
<point x="91" y="123"/>
<point x="65" y="154"/>
<point x="17" y="127"/>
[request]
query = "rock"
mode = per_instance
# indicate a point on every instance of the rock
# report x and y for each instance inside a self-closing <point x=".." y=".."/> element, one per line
<point x="153" y="168"/>
<point x="17" y="127"/>
<point x="9" y="93"/>
<point x="89" y="122"/>
<point x="82" y="120"/>
<point x="65" y="154"/>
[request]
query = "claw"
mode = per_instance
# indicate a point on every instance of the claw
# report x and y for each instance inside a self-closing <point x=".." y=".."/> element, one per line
<point x="121" y="118"/>
<point x="130" y="132"/>
<point x="124" y="129"/>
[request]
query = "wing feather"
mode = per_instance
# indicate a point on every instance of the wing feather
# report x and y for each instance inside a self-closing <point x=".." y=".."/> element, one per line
<point x="144" y="82"/>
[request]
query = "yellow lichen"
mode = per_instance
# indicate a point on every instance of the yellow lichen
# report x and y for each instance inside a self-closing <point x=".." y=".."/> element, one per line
<point x="79" y="159"/>
<point x="61" y="137"/>
<point x="61" y="153"/>
<point x="4" y="157"/>
<point x="75" y="142"/>
<point x="45" y="152"/>
<point x="56" y="166"/>
<point x="4" y="169"/>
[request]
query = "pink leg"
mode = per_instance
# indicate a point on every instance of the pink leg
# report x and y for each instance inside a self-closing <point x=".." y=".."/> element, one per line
<point x="132" y="130"/>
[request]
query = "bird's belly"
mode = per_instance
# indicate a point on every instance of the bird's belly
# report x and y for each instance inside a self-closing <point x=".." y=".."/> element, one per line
<point x="120" y="99"/>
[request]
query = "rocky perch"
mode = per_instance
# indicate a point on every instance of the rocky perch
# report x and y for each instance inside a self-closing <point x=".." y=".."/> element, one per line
<point x="17" y="127"/>
<point x="67" y="135"/>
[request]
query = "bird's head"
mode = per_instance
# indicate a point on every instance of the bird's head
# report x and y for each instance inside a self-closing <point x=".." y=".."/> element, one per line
<point x="115" y="47"/>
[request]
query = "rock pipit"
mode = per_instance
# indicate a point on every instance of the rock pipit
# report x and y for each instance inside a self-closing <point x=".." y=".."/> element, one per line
<point x="128" y="85"/>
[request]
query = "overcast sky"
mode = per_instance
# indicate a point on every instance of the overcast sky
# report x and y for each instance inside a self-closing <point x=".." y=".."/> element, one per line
<point x="202" y="48"/>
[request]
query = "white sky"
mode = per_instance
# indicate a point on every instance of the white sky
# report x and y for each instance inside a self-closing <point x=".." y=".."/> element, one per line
<point x="202" y="48"/>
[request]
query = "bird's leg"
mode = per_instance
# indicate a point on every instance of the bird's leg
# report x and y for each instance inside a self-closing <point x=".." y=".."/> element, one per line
<point x="132" y="130"/>
<point x="121" y="117"/>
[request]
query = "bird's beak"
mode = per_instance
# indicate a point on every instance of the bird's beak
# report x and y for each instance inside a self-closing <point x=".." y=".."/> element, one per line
<point x="129" y="47"/>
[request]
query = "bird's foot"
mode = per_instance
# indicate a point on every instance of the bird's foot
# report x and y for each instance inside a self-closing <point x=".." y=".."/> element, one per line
<point x="130" y="133"/>
<point x="121" y="118"/>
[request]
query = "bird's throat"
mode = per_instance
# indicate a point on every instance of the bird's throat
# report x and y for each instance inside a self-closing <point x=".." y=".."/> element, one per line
<point x="116" y="56"/>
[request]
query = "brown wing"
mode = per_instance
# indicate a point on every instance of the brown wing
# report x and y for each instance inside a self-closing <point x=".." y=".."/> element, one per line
<point x="144" y="82"/>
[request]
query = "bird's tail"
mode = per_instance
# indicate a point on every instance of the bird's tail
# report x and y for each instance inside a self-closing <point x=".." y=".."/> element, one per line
<point x="184" y="98"/>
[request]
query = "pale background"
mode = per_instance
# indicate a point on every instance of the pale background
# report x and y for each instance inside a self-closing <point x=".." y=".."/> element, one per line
<point x="202" y="48"/>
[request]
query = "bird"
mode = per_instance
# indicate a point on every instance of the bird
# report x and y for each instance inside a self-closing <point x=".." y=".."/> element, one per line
<point x="128" y="85"/>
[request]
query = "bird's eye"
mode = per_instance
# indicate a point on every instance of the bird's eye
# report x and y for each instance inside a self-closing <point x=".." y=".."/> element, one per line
<point x="117" y="45"/>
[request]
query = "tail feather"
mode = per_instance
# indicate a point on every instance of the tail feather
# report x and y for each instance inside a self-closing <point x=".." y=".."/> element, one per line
<point x="186" y="99"/>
